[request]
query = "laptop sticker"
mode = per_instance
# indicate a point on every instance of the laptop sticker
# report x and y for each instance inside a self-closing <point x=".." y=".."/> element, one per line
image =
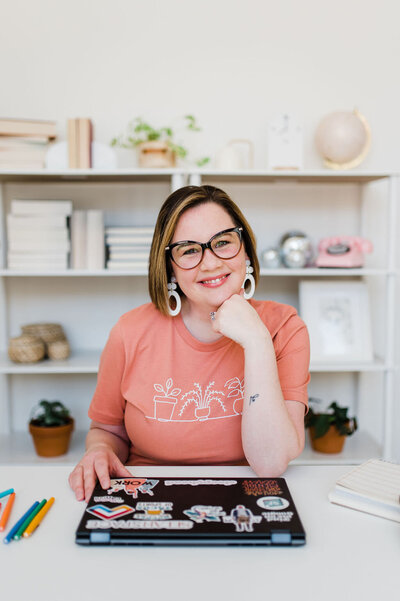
<point x="204" y="513"/>
<point x="277" y="516"/>
<point x="261" y="487"/>
<point x="243" y="518"/>
<point x="109" y="499"/>
<point x="153" y="511"/>
<point x="273" y="503"/>
<point x="109" y="513"/>
<point x="140" y="525"/>
<point x="132" y="486"/>
<point x="200" y="482"/>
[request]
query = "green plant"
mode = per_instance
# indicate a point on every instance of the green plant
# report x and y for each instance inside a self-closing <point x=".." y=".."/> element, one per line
<point x="48" y="414"/>
<point x="139" y="131"/>
<point x="333" y="416"/>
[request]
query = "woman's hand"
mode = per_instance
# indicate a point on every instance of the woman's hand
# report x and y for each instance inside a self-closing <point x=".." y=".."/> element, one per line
<point x="238" y="320"/>
<point x="100" y="462"/>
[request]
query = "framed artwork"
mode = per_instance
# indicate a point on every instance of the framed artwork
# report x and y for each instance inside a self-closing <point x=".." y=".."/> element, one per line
<point x="338" y="320"/>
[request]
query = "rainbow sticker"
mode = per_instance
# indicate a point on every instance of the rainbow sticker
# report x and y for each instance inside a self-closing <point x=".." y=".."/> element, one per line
<point x="109" y="513"/>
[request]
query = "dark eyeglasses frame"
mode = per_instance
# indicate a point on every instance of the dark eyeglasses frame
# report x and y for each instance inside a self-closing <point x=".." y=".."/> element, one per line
<point x="205" y="245"/>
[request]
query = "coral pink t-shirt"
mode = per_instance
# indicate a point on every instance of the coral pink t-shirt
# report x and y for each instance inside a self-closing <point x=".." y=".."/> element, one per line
<point x="181" y="399"/>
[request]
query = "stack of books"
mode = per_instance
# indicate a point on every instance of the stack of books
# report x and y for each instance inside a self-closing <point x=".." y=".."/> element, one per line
<point x="24" y="143"/>
<point x="128" y="247"/>
<point x="87" y="240"/>
<point x="38" y="235"/>
<point x="80" y="137"/>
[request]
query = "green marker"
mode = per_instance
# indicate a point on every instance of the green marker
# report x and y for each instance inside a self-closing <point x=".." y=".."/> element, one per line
<point x="28" y="520"/>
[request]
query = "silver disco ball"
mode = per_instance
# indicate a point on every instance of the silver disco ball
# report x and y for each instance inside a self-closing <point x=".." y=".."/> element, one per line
<point x="271" y="258"/>
<point x="296" y="249"/>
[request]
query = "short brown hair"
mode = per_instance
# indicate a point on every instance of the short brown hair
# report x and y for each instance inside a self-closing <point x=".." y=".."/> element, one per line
<point x="176" y="204"/>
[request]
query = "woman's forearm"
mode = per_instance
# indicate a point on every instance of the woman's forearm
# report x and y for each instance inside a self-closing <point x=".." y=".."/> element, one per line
<point x="99" y="437"/>
<point x="269" y="437"/>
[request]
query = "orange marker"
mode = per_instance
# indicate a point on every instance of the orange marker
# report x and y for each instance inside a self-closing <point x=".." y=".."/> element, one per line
<point x="38" y="518"/>
<point x="6" y="512"/>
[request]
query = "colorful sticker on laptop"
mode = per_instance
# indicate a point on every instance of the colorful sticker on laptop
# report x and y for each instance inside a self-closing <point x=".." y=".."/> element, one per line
<point x="139" y="525"/>
<point x="200" y="482"/>
<point x="154" y="511"/>
<point x="133" y="485"/>
<point x="273" y="503"/>
<point x="261" y="487"/>
<point x="278" y="516"/>
<point x="204" y="513"/>
<point x="243" y="518"/>
<point x="109" y="499"/>
<point x="109" y="513"/>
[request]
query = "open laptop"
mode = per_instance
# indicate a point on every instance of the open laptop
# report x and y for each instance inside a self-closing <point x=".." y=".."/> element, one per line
<point x="191" y="511"/>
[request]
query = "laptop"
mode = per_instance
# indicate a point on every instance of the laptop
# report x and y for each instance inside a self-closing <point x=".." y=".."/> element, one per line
<point x="191" y="511"/>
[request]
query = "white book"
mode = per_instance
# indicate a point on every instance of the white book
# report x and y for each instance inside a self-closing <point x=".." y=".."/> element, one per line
<point x="119" y="240"/>
<point x="45" y="235"/>
<point x="123" y="231"/>
<point x="46" y="246"/>
<point x="95" y="248"/>
<point x="78" y="240"/>
<point x="29" y="257"/>
<point x="42" y="267"/>
<point x="34" y="222"/>
<point x="373" y="487"/>
<point x="41" y="207"/>
<point x="115" y="254"/>
<point x="123" y="265"/>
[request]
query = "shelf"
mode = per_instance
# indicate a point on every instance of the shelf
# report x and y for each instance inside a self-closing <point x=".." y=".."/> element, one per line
<point x="91" y="175"/>
<point x="314" y="176"/>
<point x="358" y="448"/>
<point x="81" y="362"/>
<point x="349" y="366"/>
<point x="17" y="449"/>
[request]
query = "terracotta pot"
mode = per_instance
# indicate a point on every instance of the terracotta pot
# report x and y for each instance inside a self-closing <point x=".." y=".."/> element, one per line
<point x="51" y="442"/>
<point x="331" y="442"/>
<point x="155" y="155"/>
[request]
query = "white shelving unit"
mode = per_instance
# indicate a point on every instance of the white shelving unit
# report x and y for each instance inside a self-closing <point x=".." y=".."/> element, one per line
<point x="366" y="192"/>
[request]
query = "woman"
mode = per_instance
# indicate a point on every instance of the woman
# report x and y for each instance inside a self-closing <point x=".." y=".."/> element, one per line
<point x="202" y="375"/>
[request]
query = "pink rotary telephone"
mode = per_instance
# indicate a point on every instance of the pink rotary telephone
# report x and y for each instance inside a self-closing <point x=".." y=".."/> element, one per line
<point x="342" y="251"/>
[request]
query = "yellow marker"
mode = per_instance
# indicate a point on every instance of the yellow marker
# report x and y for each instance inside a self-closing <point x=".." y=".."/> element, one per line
<point x="38" y="518"/>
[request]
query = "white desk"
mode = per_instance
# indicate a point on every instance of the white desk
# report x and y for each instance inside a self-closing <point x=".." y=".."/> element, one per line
<point x="348" y="555"/>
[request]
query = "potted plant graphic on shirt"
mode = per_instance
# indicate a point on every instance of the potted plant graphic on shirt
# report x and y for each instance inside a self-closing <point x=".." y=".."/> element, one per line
<point x="164" y="403"/>
<point x="236" y="388"/>
<point x="202" y="401"/>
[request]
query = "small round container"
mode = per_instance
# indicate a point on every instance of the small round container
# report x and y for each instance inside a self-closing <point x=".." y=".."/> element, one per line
<point x="58" y="350"/>
<point x="26" y="349"/>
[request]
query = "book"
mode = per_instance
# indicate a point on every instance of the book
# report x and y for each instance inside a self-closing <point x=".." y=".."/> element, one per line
<point x="85" y="143"/>
<point x="124" y="231"/>
<point x="131" y="265"/>
<point x="130" y="239"/>
<point x="41" y="207"/>
<point x="35" y="222"/>
<point x="95" y="249"/>
<point x="372" y="487"/>
<point x="38" y="245"/>
<point x="114" y="254"/>
<point x="27" y="127"/>
<point x="15" y="142"/>
<point x="73" y="149"/>
<point x="78" y="240"/>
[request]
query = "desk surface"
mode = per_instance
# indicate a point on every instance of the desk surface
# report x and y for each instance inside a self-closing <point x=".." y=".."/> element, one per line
<point x="348" y="556"/>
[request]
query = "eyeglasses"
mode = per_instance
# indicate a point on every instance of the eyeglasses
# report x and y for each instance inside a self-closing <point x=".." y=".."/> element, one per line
<point x="187" y="254"/>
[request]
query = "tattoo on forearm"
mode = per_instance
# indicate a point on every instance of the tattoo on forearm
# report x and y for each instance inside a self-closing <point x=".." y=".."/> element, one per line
<point x="253" y="398"/>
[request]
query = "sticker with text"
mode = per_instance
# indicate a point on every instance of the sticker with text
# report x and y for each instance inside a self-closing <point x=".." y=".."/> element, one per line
<point x="109" y="499"/>
<point x="278" y="516"/>
<point x="109" y="513"/>
<point x="243" y="518"/>
<point x="199" y="482"/>
<point x="138" y="525"/>
<point x="204" y="513"/>
<point x="132" y="486"/>
<point x="273" y="503"/>
<point x="261" y="487"/>
<point x="153" y="511"/>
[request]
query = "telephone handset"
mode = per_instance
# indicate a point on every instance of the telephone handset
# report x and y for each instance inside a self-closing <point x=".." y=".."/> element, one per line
<point x="343" y="251"/>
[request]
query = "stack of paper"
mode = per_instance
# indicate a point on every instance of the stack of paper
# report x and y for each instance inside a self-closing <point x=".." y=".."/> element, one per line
<point x="128" y="247"/>
<point x="38" y="235"/>
<point x="24" y="143"/>
<point x="87" y="240"/>
<point x="373" y="487"/>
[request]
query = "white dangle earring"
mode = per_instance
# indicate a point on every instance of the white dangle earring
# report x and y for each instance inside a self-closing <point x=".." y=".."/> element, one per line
<point x="172" y="292"/>
<point x="249" y="278"/>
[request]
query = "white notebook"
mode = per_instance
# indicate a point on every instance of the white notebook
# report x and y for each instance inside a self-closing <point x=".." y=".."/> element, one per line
<point x="373" y="487"/>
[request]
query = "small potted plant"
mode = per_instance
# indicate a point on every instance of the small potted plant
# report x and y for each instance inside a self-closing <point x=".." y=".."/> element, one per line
<point x="51" y="427"/>
<point x="156" y="146"/>
<point x="328" y="429"/>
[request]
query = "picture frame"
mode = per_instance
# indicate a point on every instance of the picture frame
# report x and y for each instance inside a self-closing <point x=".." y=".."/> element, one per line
<point x="337" y="316"/>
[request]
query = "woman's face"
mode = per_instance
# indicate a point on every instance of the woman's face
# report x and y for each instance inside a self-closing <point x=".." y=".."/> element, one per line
<point x="214" y="280"/>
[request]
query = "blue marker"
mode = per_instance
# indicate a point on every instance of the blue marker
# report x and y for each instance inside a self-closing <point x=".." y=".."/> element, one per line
<point x="13" y="530"/>
<point x="6" y="492"/>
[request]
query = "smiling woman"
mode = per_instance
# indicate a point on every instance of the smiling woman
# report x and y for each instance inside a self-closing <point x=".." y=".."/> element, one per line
<point x="218" y="378"/>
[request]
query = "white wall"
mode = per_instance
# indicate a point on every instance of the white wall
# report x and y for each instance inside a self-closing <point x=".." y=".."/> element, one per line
<point x="233" y="64"/>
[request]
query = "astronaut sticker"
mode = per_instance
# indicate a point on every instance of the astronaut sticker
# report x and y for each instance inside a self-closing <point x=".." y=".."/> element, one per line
<point x="204" y="513"/>
<point x="243" y="518"/>
<point x="132" y="486"/>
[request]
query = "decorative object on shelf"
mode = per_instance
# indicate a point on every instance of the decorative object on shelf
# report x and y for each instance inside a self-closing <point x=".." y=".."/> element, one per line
<point x="51" y="427"/>
<point x="26" y="349"/>
<point x="53" y="337"/>
<point x="328" y="429"/>
<point x="296" y="250"/>
<point x="338" y="320"/>
<point x="343" y="139"/>
<point x="285" y="143"/>
<point x="103" y="157"/>
<point x="271" y="258"/>
<point x="58" y="350"/>
<point x="236" y="155"/>
<point x="343" y="251"/>
<point x="156" y="147"/>
<point x="80" y="137"/>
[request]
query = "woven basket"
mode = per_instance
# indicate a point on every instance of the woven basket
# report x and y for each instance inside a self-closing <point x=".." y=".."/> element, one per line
<point x="59" y="349"/>
<point x="48" y="332"/>
<point x="26" y="349"/>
